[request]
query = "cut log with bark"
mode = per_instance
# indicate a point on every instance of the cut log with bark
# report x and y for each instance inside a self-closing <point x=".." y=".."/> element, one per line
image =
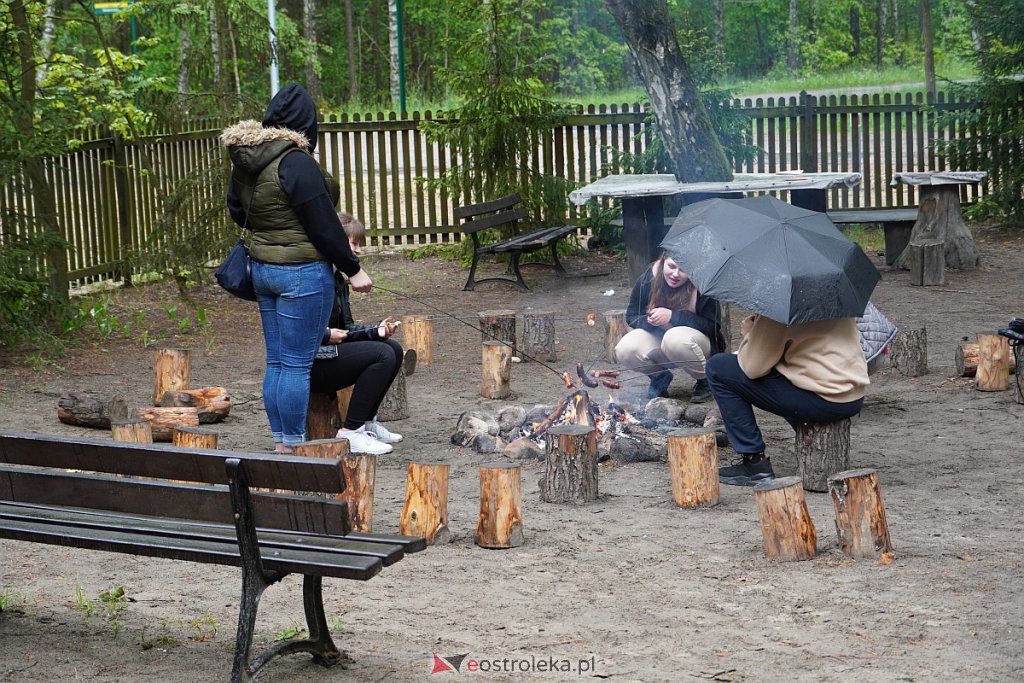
<point x="570" y="465"/>
<point x="496" y="370"/>
<point x="965" y="359"/>
<point x="822" y="449"/>
<point x="213" y="403"/>
<point x="322" y="416"/>
<point x="131" y="430"/>
<point x="194" y="437"/>
<point x="500" y="524"/>
<point x="539" y="336"/>
<point x="344" y="399"/>
<point x="395" y="405"/>
<point x="425" y="512"/>
<point x="164" y="420"/>
<point x="993" y="362"/>
<point x="860" y="514"/>
<point x="498" y="326"/>
<point x="939" y="218"/>
<point x="171" y="369"/>
<point x="786" y="525"/>
<point x="418" y="334"/>
<point x="358" y="471"/>
<point x="91" y="409"/>
<point x="615" y="328"/>
<point x="908" y="352"/>
<point x="927" y="263"/>
<point x="693" y="466"/>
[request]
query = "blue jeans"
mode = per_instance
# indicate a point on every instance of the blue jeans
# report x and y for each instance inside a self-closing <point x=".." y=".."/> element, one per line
<point x="736" y="395"/>
<point x="295" y="305"/>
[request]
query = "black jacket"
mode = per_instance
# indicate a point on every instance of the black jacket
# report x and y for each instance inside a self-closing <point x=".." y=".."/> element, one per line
<point x="341" y="317"/>
<point x="707" y="317"/>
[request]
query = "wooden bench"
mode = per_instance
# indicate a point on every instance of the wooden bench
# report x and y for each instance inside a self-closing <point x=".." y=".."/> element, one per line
<point x="897" y="224"/>
<point x="67" y="492"/>
<point x="506" y="212"/>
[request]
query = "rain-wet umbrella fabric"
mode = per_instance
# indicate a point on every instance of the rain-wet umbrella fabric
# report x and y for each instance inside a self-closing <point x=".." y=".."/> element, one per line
<point x="769" y="257"/>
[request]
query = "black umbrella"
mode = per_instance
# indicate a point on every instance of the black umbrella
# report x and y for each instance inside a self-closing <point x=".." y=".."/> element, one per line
<point x="787" y="263"/>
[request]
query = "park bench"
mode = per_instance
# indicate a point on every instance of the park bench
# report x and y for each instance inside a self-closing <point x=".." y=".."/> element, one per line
<point x="897" y="224"/>
<point x="131" y="499"/>
<point x="501" y="213"/>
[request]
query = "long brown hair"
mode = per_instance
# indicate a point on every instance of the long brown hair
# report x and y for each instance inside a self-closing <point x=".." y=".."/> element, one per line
<point x="663" y="296"/>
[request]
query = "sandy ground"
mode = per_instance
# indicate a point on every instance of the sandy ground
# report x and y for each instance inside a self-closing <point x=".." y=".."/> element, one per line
<point x="632" y="585"/>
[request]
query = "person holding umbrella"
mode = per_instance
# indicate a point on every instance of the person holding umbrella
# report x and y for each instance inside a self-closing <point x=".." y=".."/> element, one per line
<point x="674" y="326"/>
<point x="800" y="357"/>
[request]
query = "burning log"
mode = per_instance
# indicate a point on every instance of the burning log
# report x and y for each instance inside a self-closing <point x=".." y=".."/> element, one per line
<point x="91" y="409"/>
<point x="570" y="475"/>
<point x="500" y="524"/>
<point x="993" y="362"/>
<point x="693" y="464"/>
<point x="395" y="405"/>
<point x="194" y="437"/>
<point x="164" y="420"/>
<point x="213" y="403"/>
<point x="498" y="326"/>
<point x="170" y="371"/>
<point x="418" y="334"/>
<point x="539" y="336"/>
<point x="425" y="512"/>
<point x="615" y="328"/>
<point x="786" y="524"/>
<point x="133" y="430"/>
<point x="860" y="514"/>
<point x="496" y="370"/>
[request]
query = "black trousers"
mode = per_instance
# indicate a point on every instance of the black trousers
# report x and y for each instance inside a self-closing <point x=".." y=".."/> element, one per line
<point x="369" y="365"/>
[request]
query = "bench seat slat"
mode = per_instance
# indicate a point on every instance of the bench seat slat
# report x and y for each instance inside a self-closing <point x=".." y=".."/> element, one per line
<point x="412" y="544"/>
<point x="873" y="215"/>
<point x="539" y="238"/>
<point x="334" y="564"/>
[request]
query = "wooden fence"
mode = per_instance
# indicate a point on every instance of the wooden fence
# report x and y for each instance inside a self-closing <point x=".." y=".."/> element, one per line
<point x="111" y="195"/>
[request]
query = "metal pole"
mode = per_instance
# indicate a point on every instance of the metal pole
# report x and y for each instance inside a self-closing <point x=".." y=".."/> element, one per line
<point x="401" y="58"/>
<point x="272" y="16"/>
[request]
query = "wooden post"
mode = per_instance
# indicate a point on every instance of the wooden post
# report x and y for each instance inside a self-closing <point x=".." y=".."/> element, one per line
<point x="194" y="437"/>
<point x="927" y="261"/>
<point x="500" y="326"/>
<point x="496" y="370"/>
<point x="418" y="334"/>
<point x="822" y="449"/>
<point x="500" y="524"/>
<point x="163" y="420"/>
<point x="570" y="474"/>
<point x="132" y="430"/>
<point x="693" y="464"/>
<point x="965" y="359"/>
<point x="993" y="362"/>
<point x="359" y="472"/>
<point x="539" y="336"/>
<point x="344" y="397"/>
<point x="170" y="371"/>
<point x="322" y="416"/>
<point x="615" y="328"/>
<point x="395" y="405"/>
<point x="425" y="512"/>
<point x="908" y="352"/>
<point x="860" y="514"/>
<point x="786" y="524"/>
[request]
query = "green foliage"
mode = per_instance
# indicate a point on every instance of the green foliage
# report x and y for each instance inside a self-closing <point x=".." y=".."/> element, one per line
<point x="203" y="628"/>
<point x="28" y="312"/>
<point x="109" y="604"/>
<point x="9" y="599"/>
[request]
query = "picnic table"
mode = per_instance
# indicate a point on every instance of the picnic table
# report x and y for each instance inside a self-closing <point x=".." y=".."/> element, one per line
<point x="642" y="195"/>
<point x="939" y="215"/>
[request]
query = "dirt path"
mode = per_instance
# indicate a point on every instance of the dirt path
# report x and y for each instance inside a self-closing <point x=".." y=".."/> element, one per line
<point x="648" y="591"/>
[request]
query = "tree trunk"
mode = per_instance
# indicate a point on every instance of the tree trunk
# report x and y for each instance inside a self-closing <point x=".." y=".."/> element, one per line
<point x="393" y="51"/>
<point x="793" y="38"/>
<point x="928" y="44"/>
<point x="993" y="362"/>
<point x="46" y="40"/>
<point x="213" y="403"/>
<point x="718" y="9"/>
<point x="425" y="512"/>
<point x="822" y="449"/>
<point x="939" y="218"/>
<point x="500" y="524"/>
<point x="496" y="370"/>
<point x="91" y="409"/>
<point x="855" y="30"/>
<point x="135" y="430"/>
<point x="539" y="336"/>
<point x="171" y="370"/>
<point x="690" y="139"/>
<point x="570" y="474"/>
<point x="498" y="325"/>
<point x="881" y="32"/>
<point x="786" y="525"/>
<point x="350" y="45"/>
<point x="184" y="46"/>
<point x="693" y="466"/>
<point x="908" y="352"/>
<point x="309" y="33"/>
<point x="860" y="515"/>
<point x="234" y="58"/>
<point x="215" y="51"/>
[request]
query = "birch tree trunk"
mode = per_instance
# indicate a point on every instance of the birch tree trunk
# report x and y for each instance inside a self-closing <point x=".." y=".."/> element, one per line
<point x="184" y="46"/>
<point x="309" y="33"/>
<point x="719" y="13"/>
<point x="350" y="43"/>
<point x="215" y="49"/>
<point x="793" y="37"/>
<point x="393" y="50"/>
<point x="46" y="40"/>
<point x="928" y="40"/>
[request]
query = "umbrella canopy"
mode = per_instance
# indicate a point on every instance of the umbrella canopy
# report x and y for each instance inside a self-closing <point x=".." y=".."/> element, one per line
<point x="787" y="263"/>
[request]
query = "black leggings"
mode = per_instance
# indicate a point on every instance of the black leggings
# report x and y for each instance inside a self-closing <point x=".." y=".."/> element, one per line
<point x="370" y="365"/>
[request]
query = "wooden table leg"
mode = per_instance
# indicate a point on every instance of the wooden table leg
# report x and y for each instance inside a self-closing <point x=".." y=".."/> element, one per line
<point x="815" y="200"/>
<point x="642" y="230"/>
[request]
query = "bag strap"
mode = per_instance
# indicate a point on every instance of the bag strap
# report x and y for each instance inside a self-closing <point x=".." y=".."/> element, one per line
<point x="248" y="211"/>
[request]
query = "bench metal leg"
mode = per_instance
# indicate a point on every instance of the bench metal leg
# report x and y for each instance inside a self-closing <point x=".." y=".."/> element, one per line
<point x="254" y="582"/>
<point x="472" y="272"/>
<point x="554" y="258"/>
<point x="513" y="262"/>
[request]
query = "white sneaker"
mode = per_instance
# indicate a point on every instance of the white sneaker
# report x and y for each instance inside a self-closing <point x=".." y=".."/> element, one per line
<point x="381" y="432"/>
<point x="361" y="441"/>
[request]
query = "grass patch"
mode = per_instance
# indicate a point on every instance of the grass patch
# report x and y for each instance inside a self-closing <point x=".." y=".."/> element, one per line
<point x="870" y="237"/>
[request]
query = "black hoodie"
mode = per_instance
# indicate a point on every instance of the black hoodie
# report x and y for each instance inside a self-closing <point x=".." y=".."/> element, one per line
<point x="303" y="181"/>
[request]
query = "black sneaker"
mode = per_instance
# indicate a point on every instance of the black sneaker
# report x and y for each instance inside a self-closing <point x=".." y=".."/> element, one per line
<point x="701" y="392"/>
<point x="746" y="472"/>
<point x="659" y="384"/>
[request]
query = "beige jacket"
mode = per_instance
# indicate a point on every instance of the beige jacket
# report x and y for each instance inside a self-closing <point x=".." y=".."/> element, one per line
<point x="822" y="356"/>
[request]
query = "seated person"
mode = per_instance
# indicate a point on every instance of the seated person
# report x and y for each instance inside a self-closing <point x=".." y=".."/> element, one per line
<point x="675" y="326"/>
<point x="359" y="355"/>
<point x="810" y="372"/>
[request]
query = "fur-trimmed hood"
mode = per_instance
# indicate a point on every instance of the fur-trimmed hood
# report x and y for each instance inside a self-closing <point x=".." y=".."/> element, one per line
<point x="252" y="133"/>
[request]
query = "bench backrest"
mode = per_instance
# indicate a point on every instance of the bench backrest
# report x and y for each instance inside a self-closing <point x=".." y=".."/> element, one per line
<point x="52" y="470"/>
<point x="495" y="213"/>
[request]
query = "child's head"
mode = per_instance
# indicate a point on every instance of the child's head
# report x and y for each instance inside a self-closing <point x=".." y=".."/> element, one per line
<point x="354" y="230"/>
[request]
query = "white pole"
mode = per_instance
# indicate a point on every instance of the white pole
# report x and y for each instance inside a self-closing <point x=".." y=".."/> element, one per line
<point x="272" y="16"/>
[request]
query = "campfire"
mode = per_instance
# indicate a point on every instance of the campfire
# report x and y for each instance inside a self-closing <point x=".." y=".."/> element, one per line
<point x="577" y="408"/>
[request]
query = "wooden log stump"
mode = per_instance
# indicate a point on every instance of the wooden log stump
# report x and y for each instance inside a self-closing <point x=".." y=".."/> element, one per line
<point x="344" y="399"/>
<point x="908" y="352"/>
<point x="395" y="405"/>
<point x="418" y="334"/>
<point x="171" y="370"/>
<point x="570" y="459"/>
<point x="860" y="514"/>
<point x="693" y="465"/>
<point x="213" y="403"/>
<point x="322" y="416"/>
<point x="131" y="430"/>
<point x="91" y="409"/>
<point x="498" y="326"/>
<point x="496" y="370"/>
<point x="425" y="512"/>
<point x="500" y="524"/>
<point x="927" y="261"/>
<point x="822" y="449"/>
<point x="615" y="328"/>
<point x="993" y="362"/>
<point x="194" y="437"/>
<point x="539" y="336"/>
<point x="164" y="420"/>
<point x="965" y="359"/>
<point x="786" y="524"/>
<point x="359" y="472"/>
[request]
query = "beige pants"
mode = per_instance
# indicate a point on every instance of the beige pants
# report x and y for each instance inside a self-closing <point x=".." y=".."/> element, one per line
<point x="681" y="347"/>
